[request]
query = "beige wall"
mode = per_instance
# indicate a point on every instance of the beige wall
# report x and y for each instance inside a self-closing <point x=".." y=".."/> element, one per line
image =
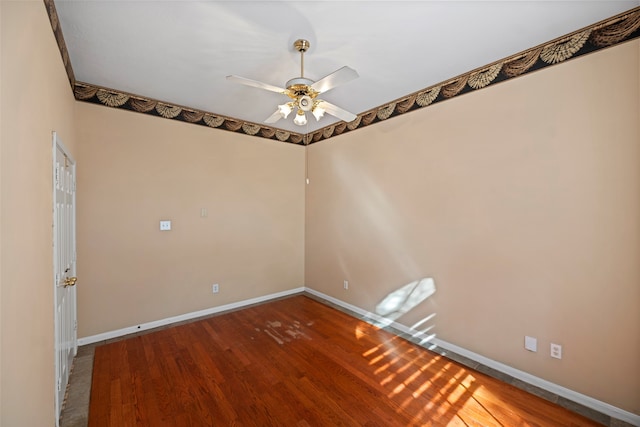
<point x="135" y="170"/>
<point x="522" y="201"/>
<point x="36" y="99"/>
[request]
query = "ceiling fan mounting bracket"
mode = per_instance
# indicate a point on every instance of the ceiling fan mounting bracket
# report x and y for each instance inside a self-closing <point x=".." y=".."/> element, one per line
<point x="301" y="45"/>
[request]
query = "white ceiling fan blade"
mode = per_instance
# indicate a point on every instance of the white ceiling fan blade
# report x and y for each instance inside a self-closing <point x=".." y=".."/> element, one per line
<point x="274" y="117"/>
<point x="255" y="83"/>
<point x="337" y="111"/>
<point x="338" y="77"/>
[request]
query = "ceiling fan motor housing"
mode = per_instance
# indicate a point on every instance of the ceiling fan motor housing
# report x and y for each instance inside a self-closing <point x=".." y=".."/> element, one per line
<point x="300" y="83"/>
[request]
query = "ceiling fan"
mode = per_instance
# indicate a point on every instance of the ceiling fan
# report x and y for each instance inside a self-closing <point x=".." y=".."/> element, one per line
<point x="304" y="92"/>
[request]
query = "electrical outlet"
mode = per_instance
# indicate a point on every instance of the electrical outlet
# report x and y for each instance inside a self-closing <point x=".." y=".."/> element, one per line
<point x="346" y="284"/>
<point x="556" y="351"/>
<point x="165" y="225"/>
<point x="215" y="288"/>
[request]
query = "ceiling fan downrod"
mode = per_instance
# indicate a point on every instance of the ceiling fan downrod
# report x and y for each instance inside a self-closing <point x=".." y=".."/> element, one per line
<point x="301" y="45"/>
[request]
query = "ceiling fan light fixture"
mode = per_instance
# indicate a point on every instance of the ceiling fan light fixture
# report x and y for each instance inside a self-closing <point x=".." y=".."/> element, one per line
<point x="318" y="112"/>
<point x="305" y="103"/>
<point x="301" y="118"/>
<point x="285" y="109"/>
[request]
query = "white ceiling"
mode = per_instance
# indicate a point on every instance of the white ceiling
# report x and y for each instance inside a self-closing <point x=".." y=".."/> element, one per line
<point x="179" y="52"/>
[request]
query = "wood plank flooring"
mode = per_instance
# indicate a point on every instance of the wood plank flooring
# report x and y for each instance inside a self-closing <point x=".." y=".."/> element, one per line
<point x="297" y="362"/>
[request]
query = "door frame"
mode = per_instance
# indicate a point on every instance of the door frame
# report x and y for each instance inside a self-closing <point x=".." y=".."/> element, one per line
<point x="58" y="276"/>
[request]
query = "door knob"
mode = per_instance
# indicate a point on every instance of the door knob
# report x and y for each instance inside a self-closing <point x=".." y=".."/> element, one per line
<point x="70" y="281"/>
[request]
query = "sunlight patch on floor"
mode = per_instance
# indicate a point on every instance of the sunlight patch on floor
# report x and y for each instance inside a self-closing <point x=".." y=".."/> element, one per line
<point x="409" y="376"/>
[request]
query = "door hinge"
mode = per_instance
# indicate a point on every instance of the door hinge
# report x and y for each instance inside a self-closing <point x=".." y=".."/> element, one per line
<point x="75" y="325"/>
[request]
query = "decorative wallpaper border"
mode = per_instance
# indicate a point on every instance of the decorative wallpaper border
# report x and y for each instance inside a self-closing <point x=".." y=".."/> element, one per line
<point x="610" y="32"/>
<point x="116" y="99"/>
<point x="57" y="32"/>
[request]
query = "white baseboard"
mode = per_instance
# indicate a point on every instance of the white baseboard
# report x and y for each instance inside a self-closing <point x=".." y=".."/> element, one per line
<point x="188" y="316"/>
<point x="569" y="394"/>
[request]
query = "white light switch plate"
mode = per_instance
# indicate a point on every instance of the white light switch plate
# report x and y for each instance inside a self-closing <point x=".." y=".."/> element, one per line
<point x="165" y="225"/>
<point x="531" y="344"/>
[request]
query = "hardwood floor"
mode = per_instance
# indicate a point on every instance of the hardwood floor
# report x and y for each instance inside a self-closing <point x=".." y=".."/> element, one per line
<point x="297" y="362"/>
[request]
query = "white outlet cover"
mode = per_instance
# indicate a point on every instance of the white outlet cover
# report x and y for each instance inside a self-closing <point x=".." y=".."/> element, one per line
<point x="165" y="225"/>
<point x="556" y="351"/>
<point x="531" y="344"/>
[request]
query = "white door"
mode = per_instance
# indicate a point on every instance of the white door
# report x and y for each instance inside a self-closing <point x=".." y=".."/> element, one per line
<point x="64" y="261"/>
